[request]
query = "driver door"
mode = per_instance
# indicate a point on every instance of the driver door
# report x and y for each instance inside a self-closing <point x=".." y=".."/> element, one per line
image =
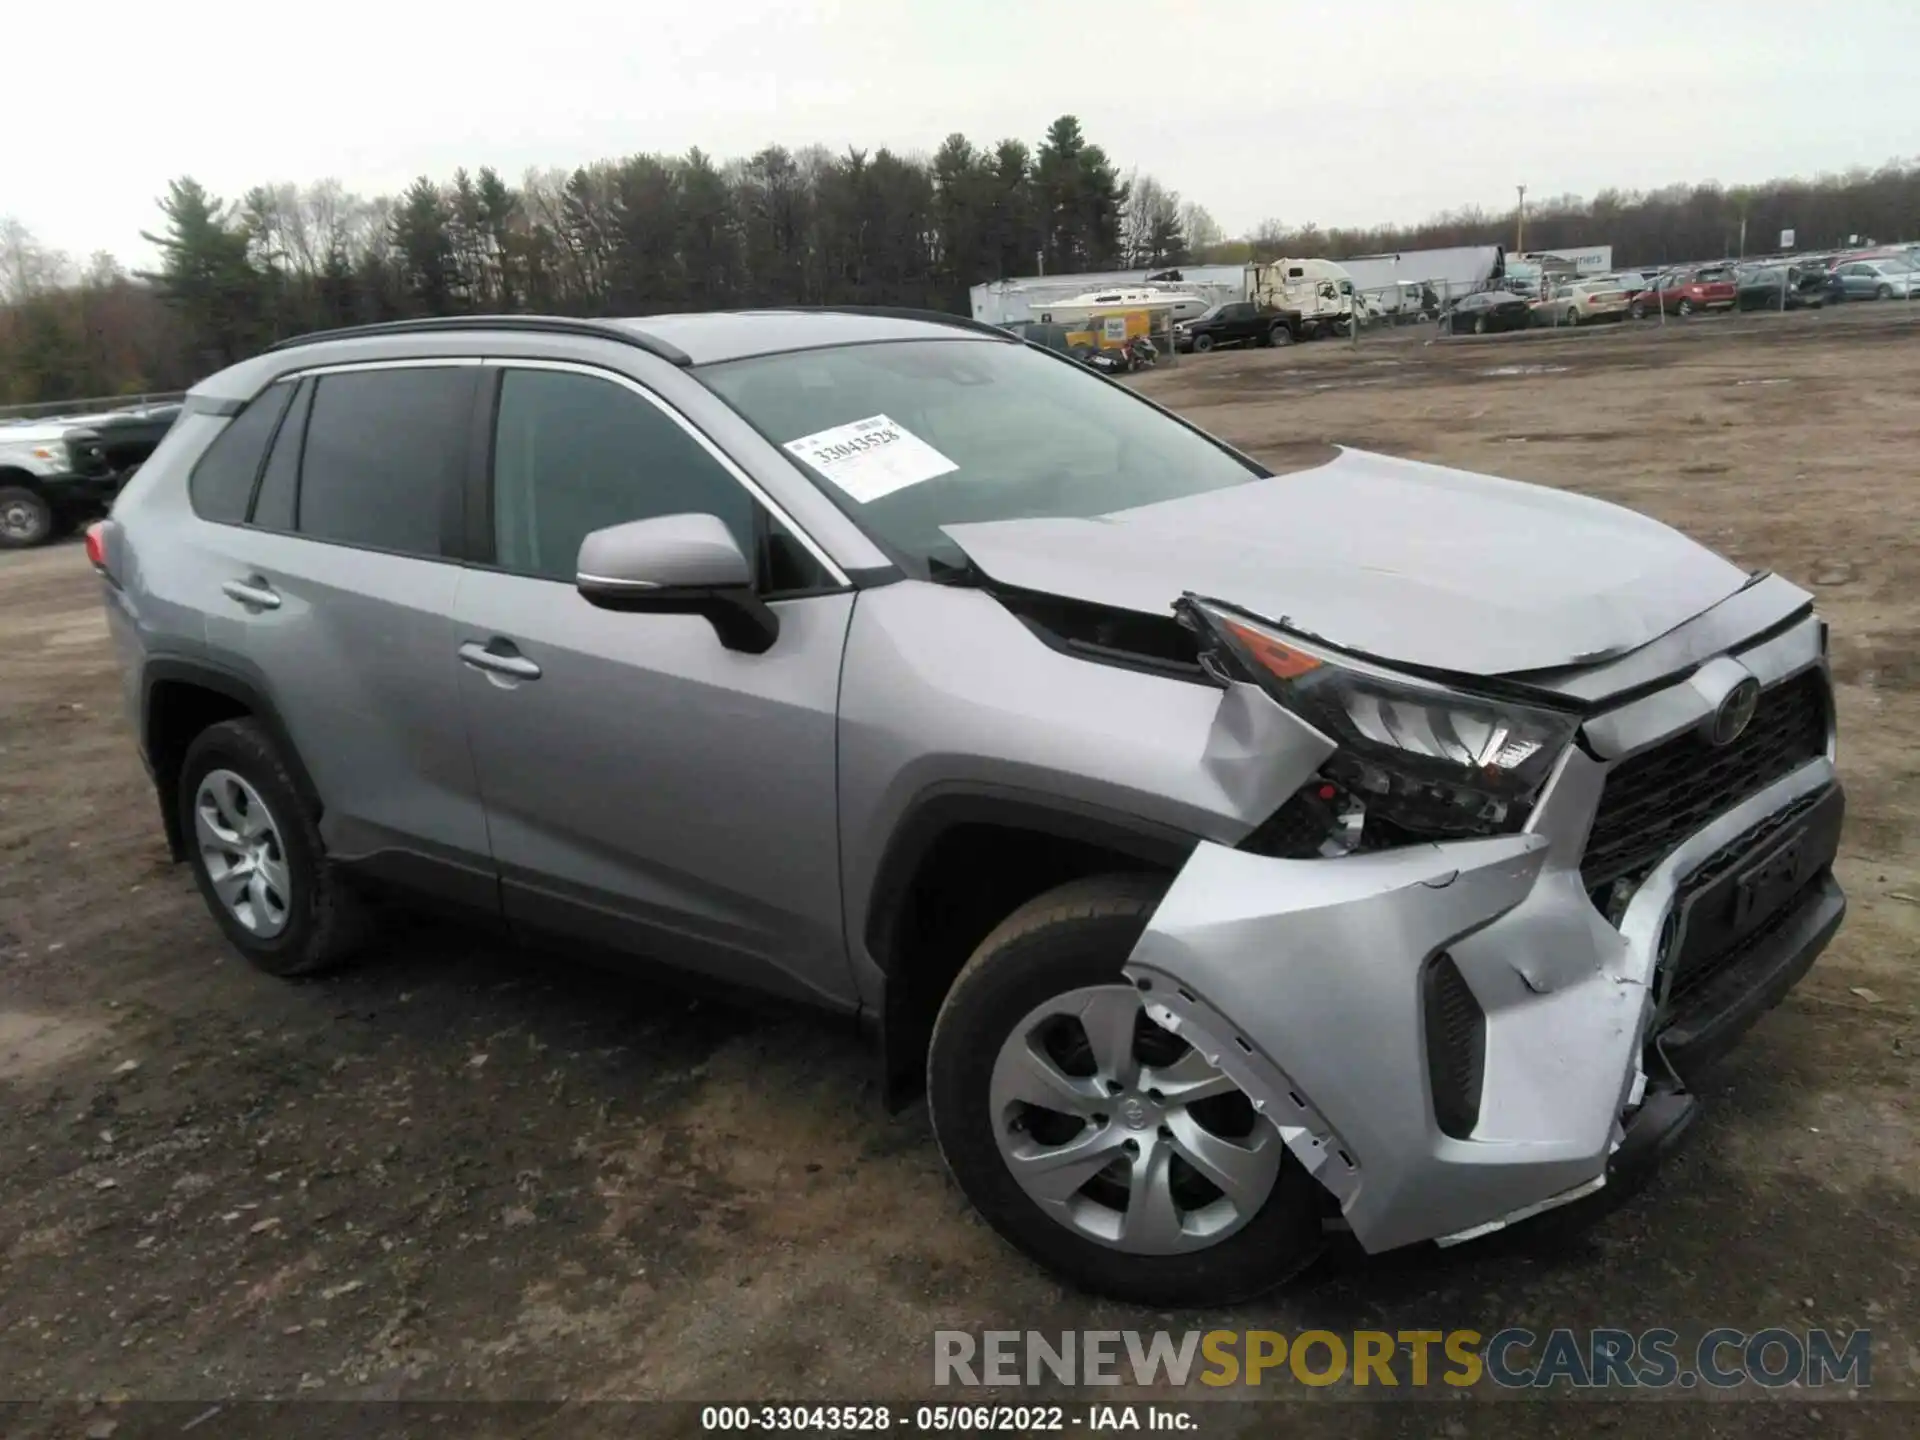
<point x="646" y="788"/>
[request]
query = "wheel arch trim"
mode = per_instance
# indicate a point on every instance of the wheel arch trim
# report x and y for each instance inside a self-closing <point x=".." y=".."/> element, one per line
<point x="208" y="675"/>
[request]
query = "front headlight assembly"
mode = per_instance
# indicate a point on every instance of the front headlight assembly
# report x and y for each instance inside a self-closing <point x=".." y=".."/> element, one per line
<point x="1416" y="760"/>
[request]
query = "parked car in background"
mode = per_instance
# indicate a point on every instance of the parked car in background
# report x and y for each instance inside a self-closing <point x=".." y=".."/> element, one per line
<point x="1486" y="311"/>
<point x="1580" y="302"/>
<point x="1884" y="279"/>
<point x="1780" y="287"/>
<point x="1686" y="292"/>
<point x="58" y="473"/>
<point x="1238" y="322"/>
<point x="1629" y="282"/>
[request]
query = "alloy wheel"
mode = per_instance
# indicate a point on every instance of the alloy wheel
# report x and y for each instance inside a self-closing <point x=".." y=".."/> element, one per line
<point x="240" y="846"/>
<point x="1122" y="1132"/>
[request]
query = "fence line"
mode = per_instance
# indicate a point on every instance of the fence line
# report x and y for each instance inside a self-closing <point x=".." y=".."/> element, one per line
<point x="94" y="405"/>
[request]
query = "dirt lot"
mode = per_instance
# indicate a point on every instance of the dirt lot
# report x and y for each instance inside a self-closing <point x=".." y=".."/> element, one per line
<point x="461" y="1171"/>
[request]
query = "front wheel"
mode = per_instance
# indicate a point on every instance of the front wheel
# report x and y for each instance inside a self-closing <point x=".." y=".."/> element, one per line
<point x="1203" y="343"/>
<point x="1097" y="1142"/>
<point x="26" y="519"/>
<point x="1479" y="324"/>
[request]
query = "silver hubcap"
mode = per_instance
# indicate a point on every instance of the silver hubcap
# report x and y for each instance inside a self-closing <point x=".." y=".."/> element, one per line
<point x="19" y="520"/>
<point x="240" y="846"/>
<point x="1123" y="1132"/>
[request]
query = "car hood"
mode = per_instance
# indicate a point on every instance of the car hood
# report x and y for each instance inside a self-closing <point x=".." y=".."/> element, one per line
<point x="1396" y="559"/>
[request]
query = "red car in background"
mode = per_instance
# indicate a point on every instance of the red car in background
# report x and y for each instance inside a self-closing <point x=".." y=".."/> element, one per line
<point x="1682" y="292"/>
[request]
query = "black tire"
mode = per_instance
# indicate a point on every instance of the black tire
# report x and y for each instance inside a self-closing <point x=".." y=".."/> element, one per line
<point x="1885" y="292"/>
<point x="1683" y="309"/>
<point x="326" y="921"/>
<point x="1479" y="324"/>
<point x="26" y="519"/>
<point x="1637" y="312"/>
<point x="1202" y="344"/>
<point x="1077" y="935"/>
<point x="1280" y="334"/>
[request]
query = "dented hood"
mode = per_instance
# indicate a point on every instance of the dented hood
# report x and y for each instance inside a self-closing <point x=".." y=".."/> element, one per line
<point x="1394" y="558"/>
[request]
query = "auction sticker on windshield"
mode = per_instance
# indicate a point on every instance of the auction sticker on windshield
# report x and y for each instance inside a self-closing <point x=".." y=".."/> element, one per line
<point x="872" y="457"/>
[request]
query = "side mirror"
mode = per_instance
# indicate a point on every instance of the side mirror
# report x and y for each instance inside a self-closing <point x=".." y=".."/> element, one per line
<point x="677" y="565"/>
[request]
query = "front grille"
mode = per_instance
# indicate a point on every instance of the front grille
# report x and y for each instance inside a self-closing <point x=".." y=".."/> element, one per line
<point x="1456" y="1029"/>
<point x="1655" y="800"/>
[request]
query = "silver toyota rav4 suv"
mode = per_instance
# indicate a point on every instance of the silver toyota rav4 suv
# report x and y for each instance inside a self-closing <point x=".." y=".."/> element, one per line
<point x="1240" y="857"/>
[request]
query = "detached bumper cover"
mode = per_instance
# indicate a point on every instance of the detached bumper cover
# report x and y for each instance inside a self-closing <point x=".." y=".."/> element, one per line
<point x="1303" y="978"/>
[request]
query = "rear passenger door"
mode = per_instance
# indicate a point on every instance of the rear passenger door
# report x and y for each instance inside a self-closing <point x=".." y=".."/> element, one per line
<point x="647" y="788"/>
<point x="337" y="592"/>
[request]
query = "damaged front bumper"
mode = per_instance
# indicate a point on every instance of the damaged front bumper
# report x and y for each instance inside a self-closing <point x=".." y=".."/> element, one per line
<point x="1451" y="1037"/>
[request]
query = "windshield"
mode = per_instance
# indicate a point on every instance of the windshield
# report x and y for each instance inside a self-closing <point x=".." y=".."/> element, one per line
<point x="970" y="431"/>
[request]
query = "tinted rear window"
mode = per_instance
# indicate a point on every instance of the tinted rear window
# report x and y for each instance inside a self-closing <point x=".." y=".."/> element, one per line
<point x="383" y="458"/>
<point x="222" y="483"/>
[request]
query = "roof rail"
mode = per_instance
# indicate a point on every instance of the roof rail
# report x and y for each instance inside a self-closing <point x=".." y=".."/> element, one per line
<point x="536" y="324"/>
<point x="907" y="312"/>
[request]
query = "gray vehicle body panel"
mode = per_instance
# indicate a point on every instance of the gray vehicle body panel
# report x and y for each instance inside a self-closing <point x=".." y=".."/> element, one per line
<point x="652" y="781"/>
<point x="736" y="812"/>
<point x="944" y="688"/>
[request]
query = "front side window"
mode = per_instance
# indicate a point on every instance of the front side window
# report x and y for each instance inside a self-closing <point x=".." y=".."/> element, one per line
<point x="973" y="431"/>
<point x="574" y="453"/>
<point x="384" y="456"/>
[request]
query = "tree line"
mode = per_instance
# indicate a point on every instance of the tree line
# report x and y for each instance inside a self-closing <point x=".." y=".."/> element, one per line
<point x="644" y="234"/>
<point x="652" y="233"/>
<point x="1659" y="227"/>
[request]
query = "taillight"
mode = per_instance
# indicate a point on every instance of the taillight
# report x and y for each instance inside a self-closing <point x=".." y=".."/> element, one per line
<point x="103" y="549"/>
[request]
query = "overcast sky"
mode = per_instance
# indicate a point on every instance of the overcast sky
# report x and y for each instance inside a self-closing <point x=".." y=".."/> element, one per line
<point x="1338" y="113"/>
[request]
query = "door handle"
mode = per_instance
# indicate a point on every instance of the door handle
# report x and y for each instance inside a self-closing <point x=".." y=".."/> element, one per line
<point x="499" y="662"/>
<point x="255" y="592"/>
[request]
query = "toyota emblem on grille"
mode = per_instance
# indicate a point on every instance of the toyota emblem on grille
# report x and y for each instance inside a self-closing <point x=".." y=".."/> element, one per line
<point x="1734" y="712"/>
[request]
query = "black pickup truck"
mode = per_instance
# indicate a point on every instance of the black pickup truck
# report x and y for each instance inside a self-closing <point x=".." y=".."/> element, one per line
<point x="1238" y="322"/>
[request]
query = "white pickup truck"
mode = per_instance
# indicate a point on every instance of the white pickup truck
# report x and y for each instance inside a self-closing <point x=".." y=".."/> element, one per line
<point x="58" y="472"/>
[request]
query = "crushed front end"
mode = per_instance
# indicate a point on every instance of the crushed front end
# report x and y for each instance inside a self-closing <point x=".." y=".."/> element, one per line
<point x="1469" y="968"/>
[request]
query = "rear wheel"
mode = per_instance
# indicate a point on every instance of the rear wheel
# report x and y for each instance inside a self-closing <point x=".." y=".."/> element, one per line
<point x="1884" y="292"/>
<point x="1479" y="324"/>
<point x="1094" y="1140"/>
<point x="1280" y="334"/>
<point x="257" y="855"/>
<point x="1573" y="317"/>
<point x="26" y="519"/>
<point x="1684" y="309"/>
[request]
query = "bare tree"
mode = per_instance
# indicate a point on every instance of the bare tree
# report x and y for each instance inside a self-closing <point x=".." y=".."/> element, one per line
<point x="1203" y="232"/>
<point x="28" y="268"/>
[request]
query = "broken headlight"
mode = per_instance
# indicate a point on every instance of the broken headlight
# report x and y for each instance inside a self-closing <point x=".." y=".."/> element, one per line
<point x="1422" y="760"/>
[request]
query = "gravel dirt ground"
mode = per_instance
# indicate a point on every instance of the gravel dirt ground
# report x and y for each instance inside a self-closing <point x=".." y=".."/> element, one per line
<point x="465" y="1171"/>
